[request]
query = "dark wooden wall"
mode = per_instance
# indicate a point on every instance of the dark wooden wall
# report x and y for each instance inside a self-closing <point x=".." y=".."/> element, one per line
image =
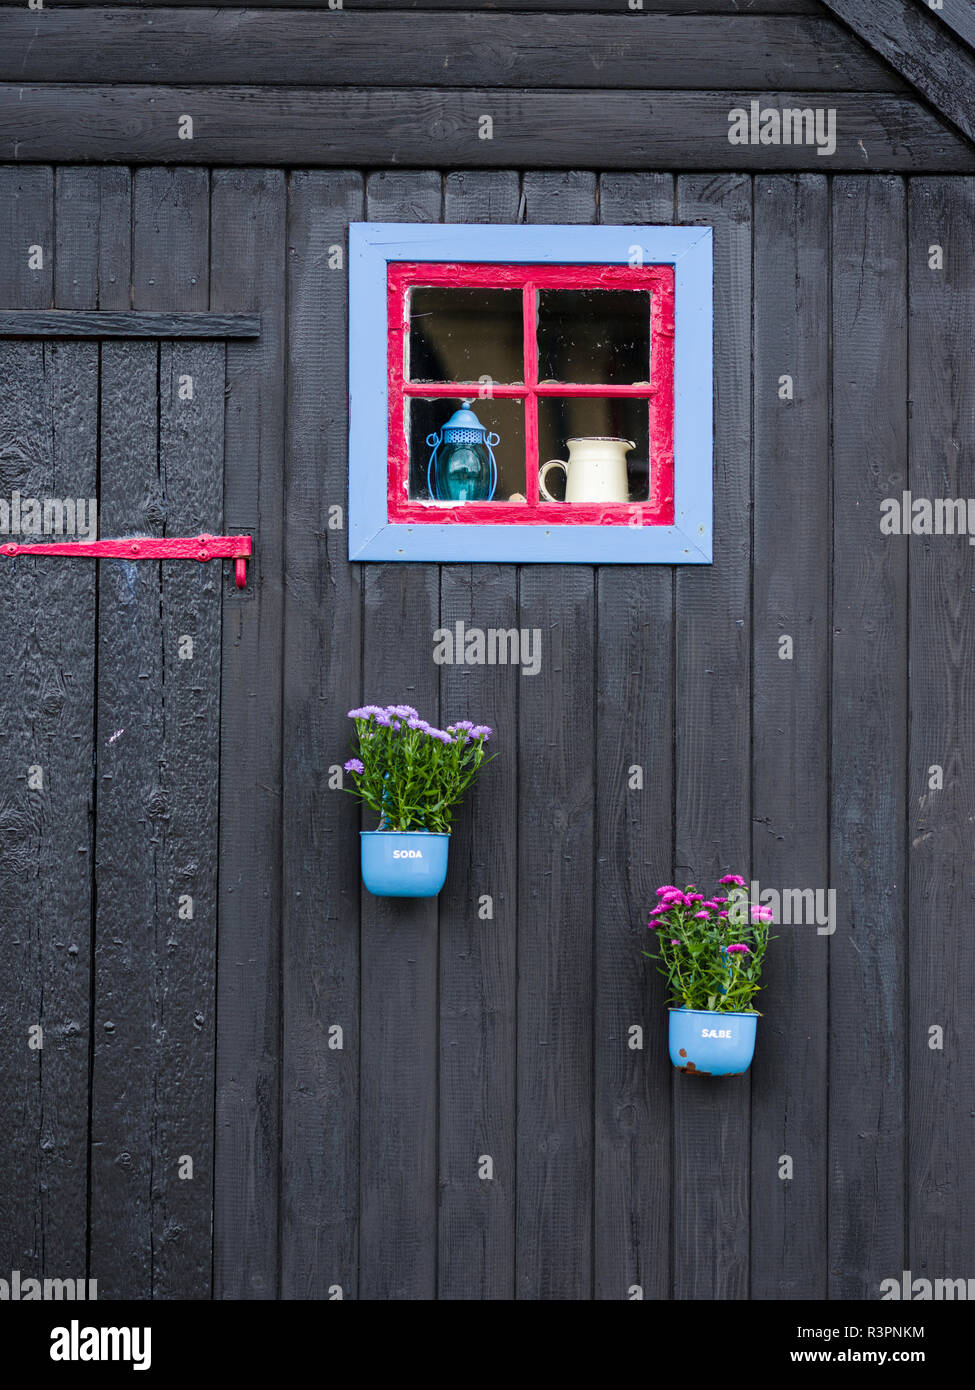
<point x="353" y="1172"/>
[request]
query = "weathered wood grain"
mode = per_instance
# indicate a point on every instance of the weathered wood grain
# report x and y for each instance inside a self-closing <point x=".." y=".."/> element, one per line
<point x="130" y="805"/>
<point x="710" y="1180"/>
<point x="790" y="709"/>
<point x="869" y="720"/>
<point x="385" y="126"/>
<point x="648" y="7"/>
<point x="915" y="45"/>
<point x="941" y="985"/>
<point x="158" y="743"/>
<point x="48" y="449"/>
<point x="478" y="953"/>
<point x="556" y="849"/>
<point x="634" y="854"/>
<point x="322" y="680"/>
<point x="400" y="967"/>
<point x="248" y="274"/>
<point x="345" y="48"/>
<point x="93" y="216"/>
<point x="60" y="323"/>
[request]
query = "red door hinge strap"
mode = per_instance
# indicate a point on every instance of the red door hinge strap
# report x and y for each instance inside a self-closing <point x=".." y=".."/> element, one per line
<point x="201" y="548"/>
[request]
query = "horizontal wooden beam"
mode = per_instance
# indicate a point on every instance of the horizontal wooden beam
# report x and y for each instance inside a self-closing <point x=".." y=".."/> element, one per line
<point x="308" y="127"/>
<point x="812" y="7"/>
<point x="926" y="53"/>
<point x="343" y="48"/>
<point x="72" y="323"/>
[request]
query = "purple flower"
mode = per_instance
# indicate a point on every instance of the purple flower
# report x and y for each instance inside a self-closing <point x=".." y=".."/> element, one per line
<point x="404" y="711"/>
<point x="385" y="721"/>
<point x="359" y="713"/>
<point x="415" y="722"/>
<point x="481" y="731"/>
<point x="440" y="735"/>
<point x="355" y="765"/>
<point x="733" y="878"/>
<point x="463" y="724"/>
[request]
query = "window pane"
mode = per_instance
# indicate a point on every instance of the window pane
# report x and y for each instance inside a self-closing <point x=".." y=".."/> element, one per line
<point x="602" y="471"/>
<point x="594" y="336"/>
<point x="505" y="418"/>
<point x="464" y="335"/>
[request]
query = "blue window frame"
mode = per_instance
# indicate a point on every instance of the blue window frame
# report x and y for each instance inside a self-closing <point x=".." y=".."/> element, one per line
<point x="374" y="247"/>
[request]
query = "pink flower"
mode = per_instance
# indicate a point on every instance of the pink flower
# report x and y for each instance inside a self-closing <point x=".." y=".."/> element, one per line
<point x="674" y="942"/>
<point x="696" y="898"/>
<point x="712" y="902"/>
<point x="702" y="916"/>
<point x="721" y="900"/>
<point x="761" y="914"/>
<point x="738" y="949"/>
<point x="667" y="888"/>
<point x="722" y="914"/>
<point x="654" y="911"/>
<point x="733" y="878"/>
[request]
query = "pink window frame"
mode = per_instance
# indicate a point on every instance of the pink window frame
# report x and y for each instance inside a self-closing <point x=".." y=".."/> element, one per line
<point x="657" y="510"/>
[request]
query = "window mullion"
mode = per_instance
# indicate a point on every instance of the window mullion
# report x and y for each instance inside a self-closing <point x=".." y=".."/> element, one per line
<point x="530" y="313"/>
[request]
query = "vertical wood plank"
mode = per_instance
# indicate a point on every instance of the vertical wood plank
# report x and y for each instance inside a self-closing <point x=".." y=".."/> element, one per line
<point x="248" y="237"/>
<point x="156" y="812"/>
<point x="555" y="892"/>
<point x="941" y="1082"/>
<point x="868" y="966"/>
<point x="634" y="853"/>
<point x="711" y="1118"/>
<point x="477" y="955"/>
<point x="323" y="677"/>
<point x="48" y="450"/>
<point x="93" y="216"/>
<point x="790" y="754"/>
<point x="399" y="1055"/>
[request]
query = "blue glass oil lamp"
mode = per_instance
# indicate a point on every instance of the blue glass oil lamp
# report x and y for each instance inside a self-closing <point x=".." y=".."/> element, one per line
<point x="462" y="467"/>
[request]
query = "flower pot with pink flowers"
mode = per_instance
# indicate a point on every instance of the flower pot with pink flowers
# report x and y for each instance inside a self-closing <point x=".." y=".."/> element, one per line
<point x="412" y="774"/>
<point x="711" y="951"/>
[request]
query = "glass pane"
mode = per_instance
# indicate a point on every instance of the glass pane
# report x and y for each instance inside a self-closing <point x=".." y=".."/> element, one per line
<point x="466" y="335"/>
<point x="594" y="336"/>
<point x="505" y="418"/>
<point x="600" y="468"/>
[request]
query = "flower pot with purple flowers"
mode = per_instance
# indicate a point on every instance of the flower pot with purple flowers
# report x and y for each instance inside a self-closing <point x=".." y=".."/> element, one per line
<point x="711" y="951"/>
<point x="412" y="774"/>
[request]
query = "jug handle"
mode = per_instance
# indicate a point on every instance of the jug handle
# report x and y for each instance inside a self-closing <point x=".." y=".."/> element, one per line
<point x="552" y="463"/>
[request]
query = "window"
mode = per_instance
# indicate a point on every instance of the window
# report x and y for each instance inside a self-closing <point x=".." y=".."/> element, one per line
<point x="530" y="393"/>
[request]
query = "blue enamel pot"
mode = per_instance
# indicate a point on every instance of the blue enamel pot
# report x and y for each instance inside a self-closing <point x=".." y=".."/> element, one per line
<point x="403" y="864"/>
<point x="706" y="1043"/>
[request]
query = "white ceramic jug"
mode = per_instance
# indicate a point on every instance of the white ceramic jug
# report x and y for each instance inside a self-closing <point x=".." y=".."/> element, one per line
<point x="595" y="472"/>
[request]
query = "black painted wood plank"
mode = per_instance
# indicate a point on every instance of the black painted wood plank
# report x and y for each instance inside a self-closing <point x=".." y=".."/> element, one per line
<point x="556" y="846"/>
<point x="941" y="1083"/>
<point x="48" y="449"/>
<point x="255" y="125"/>
<point x="399" y="1050"/>
<point x="649" y="7"/>
<point x="958" y="15"/>
<point x="344" y="48"/>
<point x="323" y="677"/>
<point x="191" y="477"/>
<point x="130" y="805"/>
<point x="869" y="738"/>
<point x="248" y="274"/>
<point x="156" y="815"/>
<point x="713" y="702"/>
<point x="93" y="216"/>
<point x="634" y="854"/>
<point x="478" y="986"/>
<point x="790" y="743"/>
<point x="922" y="51"/>
<point x="62" y="323"/>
